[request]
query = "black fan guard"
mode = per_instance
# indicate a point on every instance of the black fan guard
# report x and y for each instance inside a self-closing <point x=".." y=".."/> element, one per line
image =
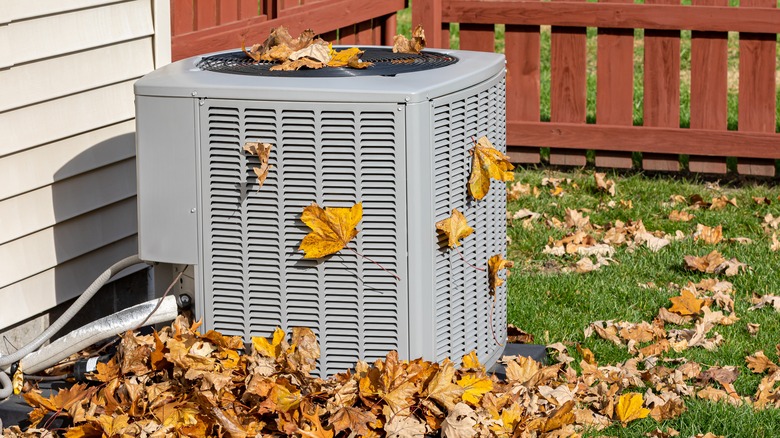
<point x="385" y="63"/>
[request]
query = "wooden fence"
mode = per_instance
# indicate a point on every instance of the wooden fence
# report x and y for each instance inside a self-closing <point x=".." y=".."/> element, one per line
<point x="202" y="26"/>
<point x="613" y="136"/>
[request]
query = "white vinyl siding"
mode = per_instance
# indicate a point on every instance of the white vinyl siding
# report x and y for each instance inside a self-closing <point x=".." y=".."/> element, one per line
<point x="67" y="167"/>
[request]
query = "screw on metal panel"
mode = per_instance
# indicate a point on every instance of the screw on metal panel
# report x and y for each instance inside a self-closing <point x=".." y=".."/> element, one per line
<point x="202" y="101"/>
<point x="400" y="108"/>
<point x="408" y="99"/>
<point x="194" y="93"/>
<point x="192" y="210"/>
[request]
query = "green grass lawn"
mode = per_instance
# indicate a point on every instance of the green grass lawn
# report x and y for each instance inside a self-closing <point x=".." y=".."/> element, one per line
<point x="556" y="306"/>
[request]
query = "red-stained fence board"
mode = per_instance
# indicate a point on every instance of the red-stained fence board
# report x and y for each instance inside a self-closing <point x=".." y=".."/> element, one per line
<point x="479" y="37"/>
<point x="228" y="11"/>
<point x="662" y="88"/>
<point x="364" y="34"/>
<point x="206" y="14"/>
<point x="182" y="16"/>
<point x="615" y="86"/>
<point x="347" y="35"/>
<point x="757" y="88"/>
<point x="522" y="51"/>
<point x="709" y="72"/>
<point x="428" y="13"/>
<point x="568" y="88"/>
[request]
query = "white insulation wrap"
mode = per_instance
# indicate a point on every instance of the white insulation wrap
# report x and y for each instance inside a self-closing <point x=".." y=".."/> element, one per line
<point x="97" y="331"/>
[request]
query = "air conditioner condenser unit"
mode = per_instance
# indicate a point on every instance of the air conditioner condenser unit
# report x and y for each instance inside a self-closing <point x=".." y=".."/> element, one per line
<point x="395" y="136"/>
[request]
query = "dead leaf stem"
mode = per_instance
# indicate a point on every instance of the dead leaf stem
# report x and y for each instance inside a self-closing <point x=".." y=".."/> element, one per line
<point x="376" y="263"/>
<point x="467" y="262"/>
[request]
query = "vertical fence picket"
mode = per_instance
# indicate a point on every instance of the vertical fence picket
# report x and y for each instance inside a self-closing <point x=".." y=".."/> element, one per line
<point x="615" y="86"/>
<point x="709" y="88"/>
<point x="522" y="50"/>
<point x="228" y="11"/>
<point x="480" y="37"/>
<point x="251" y="8"/>
<point x="182" y="16"/>
<point x="206" y="14"/>
<point x="364" y="34"/>
<point x="568" y="88"/>
<point x="428" y="13"/>
<point x="757" y="89"/>
<point x="347" y="35"/>
<point x="662" y="88"/>
<point x="388" y="29"/>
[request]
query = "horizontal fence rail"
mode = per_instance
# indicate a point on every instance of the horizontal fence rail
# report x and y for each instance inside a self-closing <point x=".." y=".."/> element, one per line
<point x="203" y="26"/>
<point x="707" y="140"/>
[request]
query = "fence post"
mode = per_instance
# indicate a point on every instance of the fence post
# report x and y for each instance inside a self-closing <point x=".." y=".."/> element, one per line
<point x="428" y="13"/>
<point x="757" y="89"/>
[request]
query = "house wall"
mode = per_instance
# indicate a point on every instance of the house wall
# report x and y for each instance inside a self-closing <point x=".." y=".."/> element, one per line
<point x="67" y="142"/>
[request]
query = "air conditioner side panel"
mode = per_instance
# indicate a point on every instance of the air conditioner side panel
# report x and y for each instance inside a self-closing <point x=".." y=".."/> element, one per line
<point x="167" y="185"/>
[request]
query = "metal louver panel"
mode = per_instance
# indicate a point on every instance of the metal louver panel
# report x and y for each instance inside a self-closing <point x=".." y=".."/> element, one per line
<point x="461" y="300"/>
<point x="254" y="276"/>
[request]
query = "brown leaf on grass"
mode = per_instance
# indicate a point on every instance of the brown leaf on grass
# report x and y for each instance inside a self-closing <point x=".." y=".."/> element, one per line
<point x="686" y="304"/>
<point x="753" y="328"/>
<point x="721" y="202"/>
<point x="759" y="302"/>
<point x="696" y="202"/>
<point x="708" y="235"/>
<point x="770" y="223"/>
<point x="516" y="335"/>
<point x="762" y="200"/>
<point x="775" y="246"/>
<point x="674" y="318"/>
<point x="519" y="190"/>
<point x="495" y="264"/>
<point x="575" y="219"/>
<point x="603" y="184"/>
<point x="487" y="163"/>
<point x="759" y="363"/>
<point x="587" y="354"/>
<point x="455" y="228"/>
<point x="585" y="264"/>
<point x="680" y="216"/>
<point x="708" y="263"/>
<point x="656" y="349"/>
<point x="414" y="46"/>
<point x="263" y="152"/>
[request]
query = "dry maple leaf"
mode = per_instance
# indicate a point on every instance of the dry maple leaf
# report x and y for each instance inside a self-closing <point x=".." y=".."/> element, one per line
<point x="708" y="263"/>
<point x="629" y="408"/>
<point x="455" y="228"/>
<point x="521" y="369"/>
<point x="488" y="162"/>
<point x="721" y="203"/>
<point x="414" y="46"/>
<point x="495" y="264"/>
<point x="297" y="65"/>
<point x="332" y="228"/>
<point x="354" y="419"/>
<point x="708" y="235"/>
<point x="686" y="304"/>
<point x="767" y="300"/>
<point x="517" y="335"/>
<point x="603" y="184"/>
<point x="460" y="422"/>
<point x="263" y="151"/>
<point x="474" y="387"/>
<point x="680" y="216"/>
<point x="271" y="349"/>
<point x="561" y="417"/>
<point x="775" y="246"/>
<point x="348" y="58"/>
<point x="759" y="363"/>
<point x="442" y="389"/>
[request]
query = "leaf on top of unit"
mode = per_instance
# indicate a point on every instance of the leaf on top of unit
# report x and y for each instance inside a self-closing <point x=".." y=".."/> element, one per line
<point x="414" y="46"/>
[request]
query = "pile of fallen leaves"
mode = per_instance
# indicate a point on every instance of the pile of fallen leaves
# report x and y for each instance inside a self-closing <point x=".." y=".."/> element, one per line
<point x="179" y="381"/>
<point x="312" y="52"/>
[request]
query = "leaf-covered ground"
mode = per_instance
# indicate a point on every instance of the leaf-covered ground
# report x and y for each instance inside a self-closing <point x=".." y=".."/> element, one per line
<point x="555" y="303"/>
<point x="657" y="299"/>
